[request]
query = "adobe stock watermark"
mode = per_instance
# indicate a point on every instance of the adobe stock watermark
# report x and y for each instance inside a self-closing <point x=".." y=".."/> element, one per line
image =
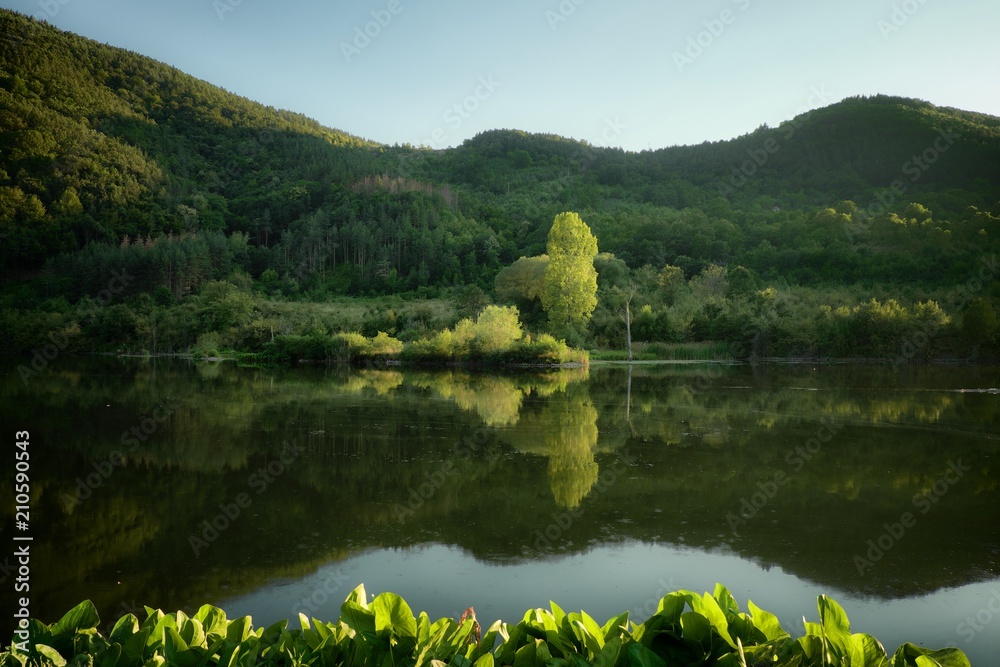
<point x="230" y="512"/>
<point x="562" y="12"/>
<point x="973" y="625"/>
<point x="895" y="531"/>
<point x="461" y="111"/>
<point x="640" y="613"/>
<point x="315" y="601"/>
<point x="364" y="35"/>
<point x="957" y="299"/>
<point x="562" y="522"/>
<point x="551" y="190"/>
<point x="132" y="607"/>
<point x="103" y="469"/>
<point x="427" y="490"/>
<point x="899" y="17"/>
<point x="223" y="7"/>
<point x="50" y="8"/>
<point x="41" y="357"/>
<point x="914" y="168"/>
<point x="699" y="43"/>
<point x="466" y="448"/>
<point x="741" y="174"/>
<point x="796" y="458"/>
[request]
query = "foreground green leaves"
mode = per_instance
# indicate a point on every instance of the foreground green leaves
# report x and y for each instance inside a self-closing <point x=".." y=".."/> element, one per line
<point x="687" y="629"/>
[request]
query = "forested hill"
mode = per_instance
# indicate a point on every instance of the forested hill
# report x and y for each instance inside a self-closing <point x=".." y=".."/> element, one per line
<point x="98" y="142"/>
<point x="102" y="144"/>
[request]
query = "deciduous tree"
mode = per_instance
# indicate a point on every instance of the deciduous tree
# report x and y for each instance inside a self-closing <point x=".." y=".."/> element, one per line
<point x="570" y="293"/>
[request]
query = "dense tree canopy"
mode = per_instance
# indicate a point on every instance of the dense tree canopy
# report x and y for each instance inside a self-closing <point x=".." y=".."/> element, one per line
<point x="569" y="295"/>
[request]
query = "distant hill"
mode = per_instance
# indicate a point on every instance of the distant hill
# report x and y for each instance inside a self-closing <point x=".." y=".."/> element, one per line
<point x="99" y="144"/>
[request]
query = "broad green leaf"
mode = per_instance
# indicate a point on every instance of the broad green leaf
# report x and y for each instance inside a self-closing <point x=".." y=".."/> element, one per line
<point x="51" y="655"/>
<point x="272" y="634"/>
<point x="513" y="638"/>
<point x="461" y="634"/>
<point x="615" y="627"/>
<point x="153" y="617"/>
<point x="126" y="626"/>
<point x="709" y="608"/>
<point x="766" y="622"/>
<point x="212" y="619"/>
<point x="696" y="628"/>
<point x="587" y="641"/>
<point x="490" y="636"/>
<point x="743" y="631"/>
<point x="833" y="618"/>
<point x="484" y="661"/>
<point x="173" y="642"/>
<point x="81" y="617"/>
<point x="110" y="656"/>
<point x="640" y="656"/>
<point x="239" y="629"/>
<point x="910" y="655"/>
<point x="423" y="628"/>
<point x="542" y="653"/>
<point x="671" y="605"/>
<point x="158" y="636"/>
<point x="358" y="618"/>
<point x="813" y="647"/>
<point x="609" y="654"/>
<point x="594" y="629"/>
<point x="526" y="656"/>
<point x="393" y="615"/>
<point x="358" y="597"/>
<point x="178" y="654"/>
<point x="867" y="652"/>
<point x="135" y="648"/>
<point x="193" y="633"/>
<point x="557" y="613"/>
<point x="725" y="599"/>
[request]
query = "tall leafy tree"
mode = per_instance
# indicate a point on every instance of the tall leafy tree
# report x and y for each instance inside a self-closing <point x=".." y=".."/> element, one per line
<point x="570" y="293"/>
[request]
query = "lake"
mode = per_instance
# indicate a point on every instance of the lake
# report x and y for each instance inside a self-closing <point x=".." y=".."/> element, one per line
<point x="271" y="492"/>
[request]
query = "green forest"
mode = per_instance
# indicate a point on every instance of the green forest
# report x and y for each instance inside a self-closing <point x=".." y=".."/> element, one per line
<point x="144" y="211"/>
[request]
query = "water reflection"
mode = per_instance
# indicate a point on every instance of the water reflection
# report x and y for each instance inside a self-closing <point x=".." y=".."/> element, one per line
<point x="491" y="460"/>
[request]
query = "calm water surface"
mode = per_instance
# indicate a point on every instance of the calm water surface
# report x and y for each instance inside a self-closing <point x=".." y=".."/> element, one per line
<point x="273" y="492"/>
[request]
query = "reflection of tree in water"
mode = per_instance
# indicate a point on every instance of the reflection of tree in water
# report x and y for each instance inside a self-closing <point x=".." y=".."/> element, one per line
<point x="383" y="382"/>
<point x="565" y="431"/>
<point x="495" y="399"/>
<point x="223" y="429"/>
<point x="572" y="468"/>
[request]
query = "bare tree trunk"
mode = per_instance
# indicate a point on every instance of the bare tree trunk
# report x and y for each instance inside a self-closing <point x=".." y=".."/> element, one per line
<point x="628" y="331"/>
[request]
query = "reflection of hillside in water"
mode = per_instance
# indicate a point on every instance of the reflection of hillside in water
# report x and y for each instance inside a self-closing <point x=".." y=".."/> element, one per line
<point x="371" y="437"/>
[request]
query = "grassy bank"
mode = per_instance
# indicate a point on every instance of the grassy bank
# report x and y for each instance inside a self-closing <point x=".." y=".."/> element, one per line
<point x="232" y="316"/>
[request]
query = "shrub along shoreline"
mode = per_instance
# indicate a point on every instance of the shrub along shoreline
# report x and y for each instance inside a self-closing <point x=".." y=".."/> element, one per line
<point x="495" y="337"/>
<point x="687" y="629"/>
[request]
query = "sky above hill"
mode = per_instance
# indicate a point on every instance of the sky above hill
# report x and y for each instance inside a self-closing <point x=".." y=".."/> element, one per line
<point x="637" y="74"/>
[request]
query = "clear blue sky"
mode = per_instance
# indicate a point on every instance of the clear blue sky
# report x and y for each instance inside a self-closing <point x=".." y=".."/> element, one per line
<point x="626" y="73"/>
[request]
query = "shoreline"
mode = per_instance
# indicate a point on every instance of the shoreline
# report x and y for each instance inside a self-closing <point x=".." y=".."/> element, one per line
<point x="761" y="361"/>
